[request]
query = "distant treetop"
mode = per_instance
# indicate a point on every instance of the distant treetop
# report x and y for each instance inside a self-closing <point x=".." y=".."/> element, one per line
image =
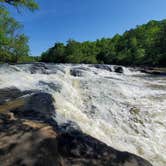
<point x="143" y="45"/>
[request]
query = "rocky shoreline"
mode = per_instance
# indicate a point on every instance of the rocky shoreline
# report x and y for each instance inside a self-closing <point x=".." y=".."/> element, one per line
<point x="30" y="136"/>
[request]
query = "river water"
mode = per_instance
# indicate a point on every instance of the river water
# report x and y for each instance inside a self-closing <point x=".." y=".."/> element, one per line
<point x="125" y="110"/>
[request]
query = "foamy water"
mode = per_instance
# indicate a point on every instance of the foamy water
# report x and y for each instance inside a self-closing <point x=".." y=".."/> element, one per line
<point x="126" y="111"/>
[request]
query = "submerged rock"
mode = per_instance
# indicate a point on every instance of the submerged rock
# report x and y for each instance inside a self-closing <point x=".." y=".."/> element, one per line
<point x="52" y="85"/>
<point x="76" y="72"/>
<point x="39" y="68"/>
<point x="69" y="127"/>
<point x="11" y="93"/>
<point x="29" y="136"/>
<point x="103" y="66"/>
<point x="118" y="69"/>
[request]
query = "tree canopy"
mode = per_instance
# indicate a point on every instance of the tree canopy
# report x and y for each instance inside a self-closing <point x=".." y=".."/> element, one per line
<point x="144" y="45"/>
<point x="13" y="43"/>
<point x="30" y="4"/>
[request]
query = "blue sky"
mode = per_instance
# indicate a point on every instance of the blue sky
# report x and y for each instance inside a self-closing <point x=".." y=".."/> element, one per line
<point x="60" y="20"/>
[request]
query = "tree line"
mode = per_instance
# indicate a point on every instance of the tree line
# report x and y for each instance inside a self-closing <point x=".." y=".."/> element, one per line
<point x="143" y="45"/>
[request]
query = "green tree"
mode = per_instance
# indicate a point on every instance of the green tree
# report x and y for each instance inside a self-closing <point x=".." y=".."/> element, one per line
<point x="144" y="45"/>
<point x="12" y="43"/>
<point x="30" y="4"/>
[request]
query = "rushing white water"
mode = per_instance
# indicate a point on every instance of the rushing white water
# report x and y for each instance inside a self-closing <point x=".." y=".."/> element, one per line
<point x="126" y="111"/>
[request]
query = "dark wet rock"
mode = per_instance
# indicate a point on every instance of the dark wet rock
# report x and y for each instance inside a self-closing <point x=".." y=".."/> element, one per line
<point x="93" y="110"/>
<point x="52" y="85"/>
<point x="38" y="106"/>
<point x="118" y="69"/>
<point x="10" y="93"/>
<point x="43" y="68"/>
<point x="76" y="72"/>
<point x="82" y="150"/>
<point x="53" y="68"/>
<point x="69" y="127"/>
<point x="30" y="136"/>
<point x="39" y="68"/>
<point x="103" y="66"/>
<point x="83" y="68"/>
<point x="27" y="142"/>
<point x="31" y="143"/>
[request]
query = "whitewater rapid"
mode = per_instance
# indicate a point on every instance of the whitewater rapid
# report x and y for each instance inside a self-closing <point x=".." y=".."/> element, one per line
<point x="125" y="110"/>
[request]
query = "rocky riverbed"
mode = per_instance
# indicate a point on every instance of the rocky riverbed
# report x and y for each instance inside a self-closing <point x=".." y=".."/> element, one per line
<point x="81" y="115"/>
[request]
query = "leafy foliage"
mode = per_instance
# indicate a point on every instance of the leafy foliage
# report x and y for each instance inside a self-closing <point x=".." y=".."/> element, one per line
<point x="144" y="45"/>
<point x="12" y="43"/>
<point x="30" y="4"/>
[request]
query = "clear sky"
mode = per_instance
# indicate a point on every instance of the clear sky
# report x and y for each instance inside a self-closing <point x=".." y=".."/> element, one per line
<point x="60" y="20"/>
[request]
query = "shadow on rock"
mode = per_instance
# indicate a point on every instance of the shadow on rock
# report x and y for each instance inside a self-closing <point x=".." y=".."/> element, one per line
<point x="30" y="136"/>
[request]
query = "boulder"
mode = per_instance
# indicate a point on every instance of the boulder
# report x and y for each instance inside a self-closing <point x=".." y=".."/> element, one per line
<point x="118" y="69"/>
<point x="11" y="93"/>
<point x="82" y="150"/>
<point x="69" y="127"/>
<point x="39" y="68"/>
<point x="51" y="85"/>
<point x="76" y="72"/>
<point x="39" y="106"/>
<point x="34" y="143"/>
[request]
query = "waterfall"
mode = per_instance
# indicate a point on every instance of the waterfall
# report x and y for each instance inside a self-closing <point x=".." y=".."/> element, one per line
<point x="126" y="110"/>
